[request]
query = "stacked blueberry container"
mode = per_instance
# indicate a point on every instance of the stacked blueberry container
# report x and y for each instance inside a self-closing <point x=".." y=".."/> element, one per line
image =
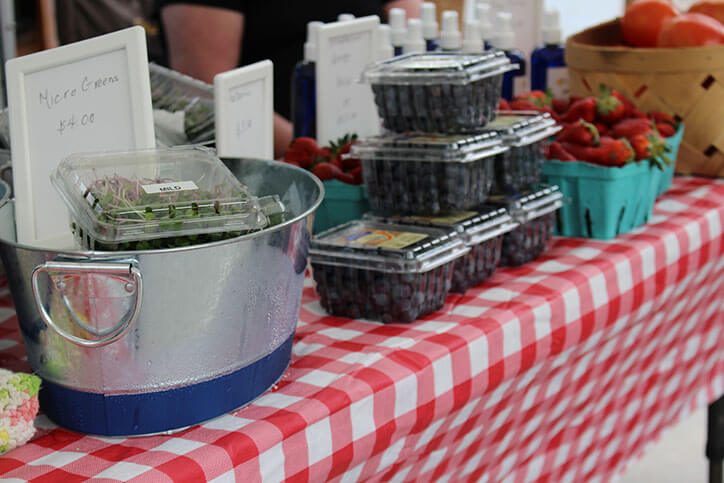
<point x="517" y="183"/>
<point x="429" y="178"/>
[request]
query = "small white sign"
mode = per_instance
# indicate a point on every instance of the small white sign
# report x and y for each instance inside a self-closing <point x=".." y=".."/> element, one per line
<point x="92" y="95"/>
<point x="244" y="100"/>
<point x="344" y="104"/>
<point x="169" y="187"/>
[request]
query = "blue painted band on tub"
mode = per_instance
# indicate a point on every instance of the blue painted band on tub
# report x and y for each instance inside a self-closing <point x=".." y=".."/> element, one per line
<point x="153" y="412"/>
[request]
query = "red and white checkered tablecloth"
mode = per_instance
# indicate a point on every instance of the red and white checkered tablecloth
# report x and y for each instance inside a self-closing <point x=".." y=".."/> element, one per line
<point x="563" y="370"/>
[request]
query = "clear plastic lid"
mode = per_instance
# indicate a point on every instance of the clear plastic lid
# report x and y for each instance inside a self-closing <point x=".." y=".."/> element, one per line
<point x="473" y="226"/>
<point x="522" y="128"/>
<point x="173" y="91"/>
<point x="386" y="247"/>
<point x="419" y="147"/>
<point x="437" y="68"/>
<point x="155" y="193"/>
<point x="532" y="204"/>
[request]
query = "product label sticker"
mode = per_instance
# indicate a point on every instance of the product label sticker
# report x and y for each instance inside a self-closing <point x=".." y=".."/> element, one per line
<point x="383" y="238"/>
<point x="449" y="219"/>
<point x="169" y="187"/>
<point x="557" y="82"/>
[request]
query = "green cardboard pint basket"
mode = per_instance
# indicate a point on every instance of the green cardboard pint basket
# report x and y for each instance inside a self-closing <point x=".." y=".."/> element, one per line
<point x="604" y="202"/>
<point x="342" y="203"/>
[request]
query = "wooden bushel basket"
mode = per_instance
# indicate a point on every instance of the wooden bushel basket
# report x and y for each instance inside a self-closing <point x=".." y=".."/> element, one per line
<point x="687" y="83"/>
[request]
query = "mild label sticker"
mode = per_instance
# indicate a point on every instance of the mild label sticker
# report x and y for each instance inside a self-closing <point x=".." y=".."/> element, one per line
<point x="169" y="187"/>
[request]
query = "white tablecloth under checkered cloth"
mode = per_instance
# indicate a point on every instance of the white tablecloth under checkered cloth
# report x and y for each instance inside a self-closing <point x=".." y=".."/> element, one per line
<point x="563" y="370"/>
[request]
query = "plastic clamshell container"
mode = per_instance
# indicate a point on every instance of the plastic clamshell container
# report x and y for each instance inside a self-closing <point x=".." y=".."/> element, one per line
<point x="173" y="91"/>
<point x="535" y="211"/>
<point x="437" y="91"/>
<point x="156" y="198"/>
<point x="384" y="271"/>
<point x="425" y="175"/>
<point x="524" y="133"/>
<point x="482" y="232"/>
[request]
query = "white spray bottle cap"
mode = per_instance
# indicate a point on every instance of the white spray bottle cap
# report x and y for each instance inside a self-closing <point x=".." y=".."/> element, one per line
<point x="429" y="20"/>
<point x="472" y="43"/>
<point x="486" y="26"/>
<point x="414" y="42"/>
<point x="398" y="30"/>
<point x="450" y="34"/>
<point x="345" y="17"/>
<point x="384" y="47"/>
<point x="551" y="30"/>
<point x="310" y="46"/>
<point x="505" y="36"/>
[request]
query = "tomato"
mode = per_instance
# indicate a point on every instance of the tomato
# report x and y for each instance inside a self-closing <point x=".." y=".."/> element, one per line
<point x="643" y="21"/>
<point x="691" y="30"/>
<point x="714" y="9"/>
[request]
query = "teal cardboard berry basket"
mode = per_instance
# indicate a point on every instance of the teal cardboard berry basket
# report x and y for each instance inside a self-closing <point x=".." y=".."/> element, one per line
<point x="604" y="202"/>
<point x="342" y="203"/>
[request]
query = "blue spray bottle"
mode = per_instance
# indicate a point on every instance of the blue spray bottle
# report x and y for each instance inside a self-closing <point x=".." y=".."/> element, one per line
<point x="514" y="81"/>
<point x="547" y="63"/>
<point x="304" y="97"/>
<point x="429" y="26"/>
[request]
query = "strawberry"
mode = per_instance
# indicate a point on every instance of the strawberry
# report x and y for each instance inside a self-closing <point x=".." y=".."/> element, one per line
<point x="609" y="108"/>
<point x="659" y="116"/>
<point x="560" y="105"/>
<point x="665" y="129"/>
<point x="503" y="105"/>
<point x="357" y="175"/>
<point x="325" y="153"/>
<point x="628" y="128"/>
<point x="556" y="151"/>
<point x="637" y="114"/>
<point x="348" y="164"/>
<point x="602" y="128"/>
<point x="325" y="171"/>
<point x="302" y="150"/>
<point x="523" y="105"/>
<point x="581" y="153"/>
<point x="579" y="132"/>
<point x="584" y="109"/>
<point x="614" y="152"/>
<point x="651" y="146"/>
<point x="628" y="105"/>
<point x="345" y="177"/>
<point x="539" y="98"/>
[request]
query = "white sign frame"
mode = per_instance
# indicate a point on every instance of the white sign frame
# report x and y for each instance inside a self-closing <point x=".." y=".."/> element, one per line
<point x="226" y="116"/>
<point x="327" y="126"/>
<point x="27" y="204"/>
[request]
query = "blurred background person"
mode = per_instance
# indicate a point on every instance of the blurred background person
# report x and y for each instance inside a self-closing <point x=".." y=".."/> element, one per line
<point x="204" y="38"/>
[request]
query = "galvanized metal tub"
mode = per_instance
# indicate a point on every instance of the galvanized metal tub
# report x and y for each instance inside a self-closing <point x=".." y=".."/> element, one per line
<point x="131" y="343"/>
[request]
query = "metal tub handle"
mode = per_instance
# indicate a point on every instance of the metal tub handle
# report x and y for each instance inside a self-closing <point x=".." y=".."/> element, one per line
<point x="108" y="335"/>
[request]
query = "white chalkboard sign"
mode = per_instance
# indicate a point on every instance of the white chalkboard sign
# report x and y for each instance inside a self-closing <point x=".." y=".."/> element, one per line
<point x="344" y="105"/>
<point x="244" y="100"/>
<point x="92" y="95"/>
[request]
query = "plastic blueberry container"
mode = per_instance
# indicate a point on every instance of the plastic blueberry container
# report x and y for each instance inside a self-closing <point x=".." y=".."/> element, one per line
<point x="384" y="271"/>
<point x="426" y="175"/>
<point x="482" y="231"/>
<point x="535" y="211"/>
<point x="437" y="91"/>
<point x="524" y="133"/>
<point x="156" y="198"/>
